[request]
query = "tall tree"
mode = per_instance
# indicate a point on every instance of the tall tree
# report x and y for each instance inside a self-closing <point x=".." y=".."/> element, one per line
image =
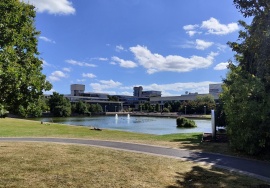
<point x="60" y="106"/>
<point x="21" y="79"/>
<point x="246" y="97"/>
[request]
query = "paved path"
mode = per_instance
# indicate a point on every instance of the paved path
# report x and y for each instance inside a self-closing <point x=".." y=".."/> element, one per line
<point x="258" y="169"/>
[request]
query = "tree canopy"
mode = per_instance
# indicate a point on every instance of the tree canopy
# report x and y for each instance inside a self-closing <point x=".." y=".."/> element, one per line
<point x="246" y="98"/>
<point x="21" y="79"/>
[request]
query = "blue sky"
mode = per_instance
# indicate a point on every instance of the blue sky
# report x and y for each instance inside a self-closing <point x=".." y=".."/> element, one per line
<point x="111" y="46"/>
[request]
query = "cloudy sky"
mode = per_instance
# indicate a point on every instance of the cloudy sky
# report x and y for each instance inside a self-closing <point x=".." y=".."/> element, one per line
<point x="111" y="46"/>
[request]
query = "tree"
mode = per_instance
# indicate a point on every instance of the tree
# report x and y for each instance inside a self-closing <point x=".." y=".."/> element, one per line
<point x="59" y="105"/>
<point x="243" y="97"/>
<point x="204" y="104"/>
<point x="246" y="98"/>
<point x="95" y="108"/>
<point x="81" y="107"/>
<point x="166" y="110"/>
<point x="157" y="108"/>
<point x="21" y="80"/>
<point x="113" y="98"/>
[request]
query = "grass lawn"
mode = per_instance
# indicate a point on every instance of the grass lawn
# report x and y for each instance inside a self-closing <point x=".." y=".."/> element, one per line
<point x="62" y="165"/>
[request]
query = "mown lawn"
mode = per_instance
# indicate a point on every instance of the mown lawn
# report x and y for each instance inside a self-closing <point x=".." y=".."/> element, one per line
<point x="63" y="165"/>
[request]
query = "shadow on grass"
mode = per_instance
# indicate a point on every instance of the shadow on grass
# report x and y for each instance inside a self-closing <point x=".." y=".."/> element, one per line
<point x="195" y="142"/>
<point x="205" y="178"/>
<point x="197" y="138"/>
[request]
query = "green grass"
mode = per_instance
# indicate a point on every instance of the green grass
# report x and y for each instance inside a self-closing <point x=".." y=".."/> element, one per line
<point x="10" y="127"/>
<point x="23" y="128"/>
<point x="61" y="165"/>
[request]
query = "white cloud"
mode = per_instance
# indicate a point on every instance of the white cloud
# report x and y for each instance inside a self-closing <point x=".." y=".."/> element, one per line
<point x="66" y="69"/>
<point x="202" y="45"/>
<point x="57" y="75"/>
<point x="180" y="88"/>
<point x="119" y="48"/>
<point x="47" y="39"/>
<point x="221" y="66"/>
<point x="82" y="64"/>
<point x="127" y="93"/>
<point x="88" y="75"/>
<point x="190" y="27"/>
<point x="214" y="27"/>
<point x="192" y="33"/>
<point x="173" y="63"/>
<point x="104" y="85"/>
<point x="198" y="44"/>
<point x="124" y="63"/>
<point x="99" y="58"/>
<point x="63" y="7"/>
<point x="172" y="89"/>
<point x="45" y="63"/>
<point x="102" y="59"/>
<point x="80" y="80"/>
<point x="221" y="47"/>
<point x="50" y="92"/>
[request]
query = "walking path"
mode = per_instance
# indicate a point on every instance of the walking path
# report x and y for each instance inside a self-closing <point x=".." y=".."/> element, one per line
<point x="254" y="168"/>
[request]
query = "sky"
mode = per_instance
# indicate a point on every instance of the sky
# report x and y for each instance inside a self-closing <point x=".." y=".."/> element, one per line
<point x="111" y="46"/>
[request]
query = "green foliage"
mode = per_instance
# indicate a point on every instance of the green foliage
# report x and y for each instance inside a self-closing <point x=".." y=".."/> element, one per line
<point x="157" y="108"/>
<point x="165" y="110"/>
<point x="32" y="110"/>
<point x="201" y="105"/>
<point x="80" y="108"/>
<point x="148" y="107"/>
<point x="168" y="106"/>
<point x="245" y="106"/>
<point x="184" y="122"/>
<point x="3" y="111"/>
<point x="220" y="116"/>
<point x="95" y="108"/>
<point x="245" y="97"/>
<point x="21" y="80"/>
<point x="59" y="105"/>
<point x="113" y="98"/>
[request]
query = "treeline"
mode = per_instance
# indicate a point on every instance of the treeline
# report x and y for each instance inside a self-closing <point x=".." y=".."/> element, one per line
<point x="201" y="105"/>
<point x="60" y="106"/>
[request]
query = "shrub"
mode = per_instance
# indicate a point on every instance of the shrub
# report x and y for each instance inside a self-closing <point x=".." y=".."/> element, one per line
<point x="166" y="110"/>
<point x="3" y="111"/>
<point x="184" y="122"/>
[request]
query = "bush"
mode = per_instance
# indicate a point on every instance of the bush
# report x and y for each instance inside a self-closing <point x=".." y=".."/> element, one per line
<point x="184" y="122"/>
<point x="3" y="111"/>
<point x="166" y="110"/>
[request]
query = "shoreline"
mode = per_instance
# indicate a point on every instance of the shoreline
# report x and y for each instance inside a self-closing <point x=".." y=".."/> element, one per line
<point x="152" y="114"/>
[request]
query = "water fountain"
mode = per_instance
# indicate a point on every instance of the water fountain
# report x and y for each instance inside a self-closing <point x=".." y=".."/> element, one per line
<point x="116" y="116"/>
<point x="128" y="116"/>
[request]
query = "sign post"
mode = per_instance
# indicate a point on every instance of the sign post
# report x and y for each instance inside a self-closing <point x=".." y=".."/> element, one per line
<point x="213" y="124"/>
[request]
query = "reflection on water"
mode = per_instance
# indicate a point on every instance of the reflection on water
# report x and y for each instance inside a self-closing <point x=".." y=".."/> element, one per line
<point x="150" y="125"/>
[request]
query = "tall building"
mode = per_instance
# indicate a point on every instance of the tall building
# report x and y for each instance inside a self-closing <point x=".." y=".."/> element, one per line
<point x="77" y="89"/>
<point x="215" y="89"/>
<point x="137" y="91"/>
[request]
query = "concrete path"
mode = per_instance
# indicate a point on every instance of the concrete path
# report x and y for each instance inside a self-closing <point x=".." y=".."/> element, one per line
<point x="254" y="168"/>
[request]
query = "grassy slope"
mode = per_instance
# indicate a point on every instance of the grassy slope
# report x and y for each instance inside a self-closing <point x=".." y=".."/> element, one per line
<point x="56" y="165"/>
